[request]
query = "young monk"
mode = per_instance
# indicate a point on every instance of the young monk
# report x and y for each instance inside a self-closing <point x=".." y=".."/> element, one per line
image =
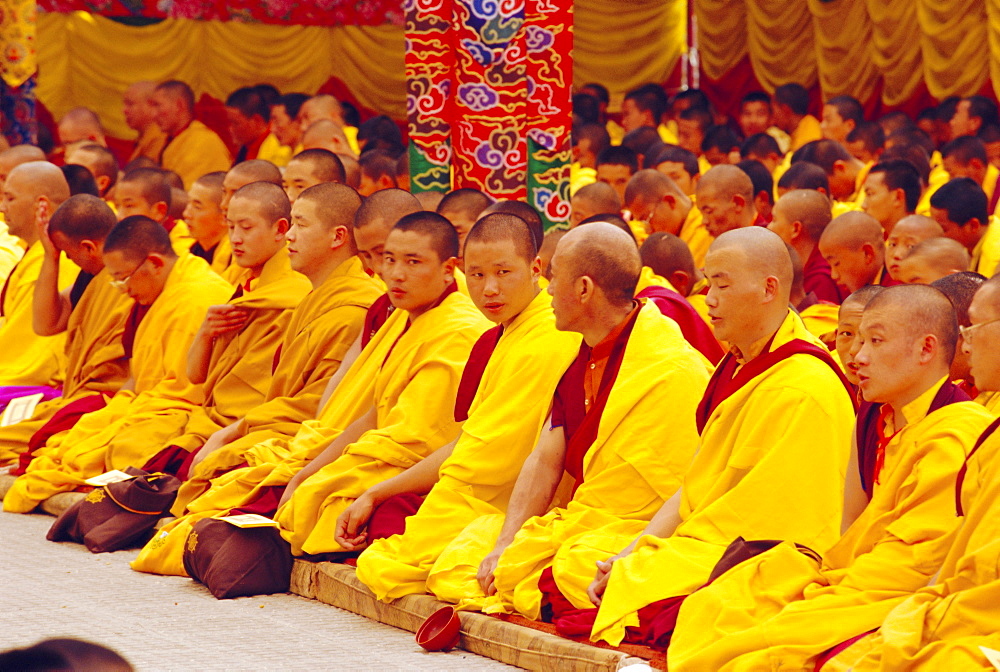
<point x="192" y="148"/>
<point x="960" y="288"/>
<point x="392" y="408"/>
<point x="932" y="259"/>
<point x="941" y="626"/>
<point x="242" y="174"/>
<point x="171" y="296"/>
<point x="601" y="432"/>
<point x="892" y="190"/>
<point x="99" y="161"/>
<point x="853" y="246"/>
<point x="909" y="231"/>
<point x="207" y="223"/>
<point x="746" y="480"/>
<point x="959" y="206"/>
<point x="145" y="192"/>
<point x="594" y="199"/>
<point x="321" y="331"/>
<point x="848" y="329"/>
<point x="800" y="217"/>
<point x="30" y="360"/>
<point x="912" y="437"/>
<point x="656" y="203"/>
<point x="91" y="312"/>
<point x="309" y="168"/>
<point x="725" y="200"/>
<point x="232" y="355"/>
<point x="474" y="475"/>
<point x="463" y="207"/>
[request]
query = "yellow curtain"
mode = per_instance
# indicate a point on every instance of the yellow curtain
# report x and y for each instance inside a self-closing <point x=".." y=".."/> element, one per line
<point x="896" y="47"/>
<point x="993" y="34"/>
<point x="626" y="44"/>
<point x="844" y="48"/>
<point x="781" y="42"/>
<point x="953" y="43"/>
<point x="722" y="34"/>
<point x="88" y="60"/>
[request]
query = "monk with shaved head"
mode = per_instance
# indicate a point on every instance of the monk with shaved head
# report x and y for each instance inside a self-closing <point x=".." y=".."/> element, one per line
<point x="99" y="161"/>
<point x="854" y="246"/>
<point x="602" y="432"/>
<point x="933" y="259"/>
<point x="81" y="125"/>
<point x="656" y="200"/>
<point x="207" y="223"/>
<point x="598" y="198"/>
<point x="800" y="217"/>
<point x="147" y="192"/>
<point x="908" y="231"/>
<point x="725" y="199"/>
<point x="761" y="471"/>
<point x="192" y="148"/>
<point x="309" y="168"/>
<point x="325" y="134"/>
<point x="140" y="116"/>
<point x="960" y="288"/>
<point x="848" y="328"/>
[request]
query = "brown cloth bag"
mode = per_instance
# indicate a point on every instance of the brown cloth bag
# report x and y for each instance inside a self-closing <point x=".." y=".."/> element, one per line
<point x="119" y="515"/>
<point x="237" y="562"/>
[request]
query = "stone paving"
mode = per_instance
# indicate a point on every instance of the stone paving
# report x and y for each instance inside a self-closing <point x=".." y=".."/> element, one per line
<point x="173" y="623"/>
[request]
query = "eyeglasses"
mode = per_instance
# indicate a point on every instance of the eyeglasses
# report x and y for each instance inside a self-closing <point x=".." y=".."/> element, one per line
<point x="966" y="332"/>
<point x="123" y="283"/>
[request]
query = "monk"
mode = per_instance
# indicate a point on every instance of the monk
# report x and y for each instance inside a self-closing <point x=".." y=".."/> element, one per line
<point x="145" y="191"/>
<point x="31" y="190"/>
<point x="800" y="217"/>
<point x="820" y="317"/>
<point x="392" y="408"/>
<point x="99" y="161"/>
<point x="656" y="203"/>
<point x="474" y="475"/>
<point x="891" y="191"/>
<point x="171" y="297"/>
<point x="325" y="134"/>
<point x="932" y="259"/>
<point x="853" y="245"/>
<point x="941" y="626"/>
<point x="91" y="312"/>
<point x="81" y="125"/>
<point x="601" y="431"/>
<point x="375" y="219"/>
<point x="207" y="223"/>
<point x="309" y="168"/>
<point x="960" y="288"/>
<point x="322" y="329"/>
<point x="11" y="247"/>
<point x="786" y="606"/>
<point x="748" y="480"/>
<point x="598" y="198"/>
<point x="909" y="231"/>
<point x="192" y="148"/>
<point x="463" y="207"/>
<point x="140" y="116"/>
<point x="378" y="171"/>
<point x="725" y="200"/>
<point x="959" y="206"/>
<point x="848" y="329"/>
<point x="247" y="172"/>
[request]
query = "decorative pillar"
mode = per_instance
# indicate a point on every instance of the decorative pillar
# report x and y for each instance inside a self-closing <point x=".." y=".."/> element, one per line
<point x="17" y="71"/>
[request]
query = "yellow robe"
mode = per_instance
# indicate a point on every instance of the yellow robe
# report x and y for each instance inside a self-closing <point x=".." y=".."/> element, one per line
<point x="942" y="626"/>
<point x="938" y="177"/>
<point x="645" y="442"/>
<point x="580" y="177"/>
<point x="697" y="237"/>
<point x="196" y="151"/>
<point x="222" y="258"/>
<point x="29" y="359"/>
<point x="95" y="360"/>
<point x="986" y="255"/>
<point x="504" y="422"/>
<point x="180" y="238"/>
<point x="106" y="439"/>
<point x="150" y="143"/>
<point x="807" y="131"/>
<point x="11" y="251"/>
<point x="784" y="607"/>
<point x="639" y="232"/>
<point x="411" y="378"/>
<point x="272" y="150"/>
<point x="820" y="318"/>
<point x="239" y="373"/>
<point x="763" y="472"/>
<point x="322" y="329"/>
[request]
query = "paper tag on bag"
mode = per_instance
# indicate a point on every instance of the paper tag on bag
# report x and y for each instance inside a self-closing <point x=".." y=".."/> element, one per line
<point x="20" y="409"/>
<point x="107" y="478"/>
<point x="992" y="655"/>
<point x="250" y="520"/>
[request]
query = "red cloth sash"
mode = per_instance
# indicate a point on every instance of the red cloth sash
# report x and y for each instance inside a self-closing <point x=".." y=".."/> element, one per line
<point x="835" y="651"/>
<point x="376" y="316"/>
<point x="171" y="460"/>
<point x="132" y="323"/>
<point x="695" y="330"/>
<point x="868" y="436"/>
<point x="65" y="418"/>
<point x="6" y="286"/>
<point x="472" y="375"/>
<point x="389" y="517"/>
<point x="965" y="465"/>
<point x="727" y="381"/>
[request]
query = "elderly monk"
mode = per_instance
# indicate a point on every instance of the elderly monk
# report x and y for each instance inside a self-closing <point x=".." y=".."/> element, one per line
<point x="207" y="222"/>
<point x="603" y="432"/>
<point x="91" y="313"/>
<point x="321" y="331"/>
<point x="912" y="436"/>
<point x="392" y="408"/>
<point x="725" y="199"/>
<point x="192" y="148"/>
<point x="932" y="259"/>
<point x="854" y="246"/>
<point x="941" y="626"/>
<point x="11" y="247"/>
<point x="908" y="231"/>
<point x="32" y="190"/>
<point x="140" y="116"/>
<point x="171" y="296"/>
<point x="848" y="329"/>
<point x="748" y="479"/>
<point x="474" y="475"/>
<point x="309" y="168"/>
<point x="800" y="217"/>
<point x="146" y="192"/>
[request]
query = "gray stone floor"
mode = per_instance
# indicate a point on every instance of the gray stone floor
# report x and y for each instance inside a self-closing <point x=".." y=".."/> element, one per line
<point x="172" y="623"/>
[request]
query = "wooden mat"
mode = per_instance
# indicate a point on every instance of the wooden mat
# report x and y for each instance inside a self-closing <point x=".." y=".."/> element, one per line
<point x="501" y="640"/>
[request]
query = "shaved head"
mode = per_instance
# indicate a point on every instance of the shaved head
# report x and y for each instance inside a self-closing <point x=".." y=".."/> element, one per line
<point x="764" y="252"/>
<point x="666" y="254"/>
<point x="256" y="170"/>
<point x="605" y="254"/>
<point x="79" y="124"/>
<point x="325" y="134"/>
<point x="960" y="288"/>
<point x="386" y="207"/>
<point x="923" y="310"/>
<point x="726" y="181"/>
<point x="321" y="107"/>
<point x="649" y="186"/>
<point x="152" y="184"/>
<point x="337" y="204"/>
<point x="503" y="227"/>
<point x="932" y="259"/>
<point x="270" y="199"/>
<point x="15" y="156"/>
<point x="522" y="210"/>
<point x="807" y="206"/>
<point x="863" y="295"/>
<point x="852" y="230"/>
<point x="137" y="237"/>
<point x="324" y="164"/>
<point x="920" y="226"/>
<point x="83" y="217"/>
<point x="26" y="185"/>
<point x="443" y="239"/>
<point x="594" y="199"/>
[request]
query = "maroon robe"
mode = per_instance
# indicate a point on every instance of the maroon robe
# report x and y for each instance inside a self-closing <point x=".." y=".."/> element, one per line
<point x="816" y="279"/>
<point x="695" y="330"/>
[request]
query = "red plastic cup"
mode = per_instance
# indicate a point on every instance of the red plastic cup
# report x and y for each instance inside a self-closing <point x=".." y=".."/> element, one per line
<point x="440" y="631"/>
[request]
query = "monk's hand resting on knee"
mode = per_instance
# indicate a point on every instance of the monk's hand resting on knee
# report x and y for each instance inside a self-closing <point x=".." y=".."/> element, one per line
<point x="290" y="489"/>
<point x="351" y="531"/>
<point x="486" y="569"/>
<point x="224" y="319"/>
<point x="218" y="440"/>
<point x="595" y="591"/>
